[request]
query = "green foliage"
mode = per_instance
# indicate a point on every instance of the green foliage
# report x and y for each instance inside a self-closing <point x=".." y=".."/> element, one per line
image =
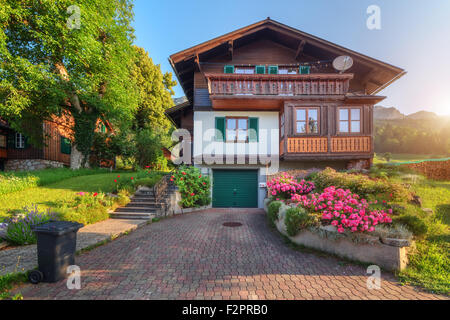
<point x="415" y="224"/>
<point x="387" y="156"/>
<point x="272" y="212"/>
<point x="429" y="267"/>
<point x="8" y="281"/>
<point x="47" y="67"/>
<point x="193" y="186"/>
<point x="413" y="136"/>
<point x="149" y="149"/>
<point x="19" y="228"/>
<point x="87" y="208"/>
<point x="154" y="92"/>
<point x="360" y="184"/>
<point x="297" y="219"/>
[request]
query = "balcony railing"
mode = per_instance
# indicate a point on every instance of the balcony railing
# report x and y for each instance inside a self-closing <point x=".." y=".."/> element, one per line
<point x="338" y="145"/>
<point x="286" y="84"/>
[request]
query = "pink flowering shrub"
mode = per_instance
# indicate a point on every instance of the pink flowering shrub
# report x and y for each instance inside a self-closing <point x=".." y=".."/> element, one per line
<point x="344" y="210"/>
<point x="286" y="186"/>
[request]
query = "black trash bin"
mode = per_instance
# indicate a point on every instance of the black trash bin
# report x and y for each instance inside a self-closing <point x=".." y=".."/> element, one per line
<point x="56" y="244"/>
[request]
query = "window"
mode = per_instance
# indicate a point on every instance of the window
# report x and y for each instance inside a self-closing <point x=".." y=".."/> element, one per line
<point x="307" y="120"/>
<point x="236" y="129"/>
<point x="272" y="70"/>
<point x="228" y="69"/>
<point x="287" y="70"/>
<point x="20" y="141"/>
<point x="244" y="70"/>
<point x="3" y="141"/>
<point x="350" y="120"/>
<point x="260" y="69"/>
<point x="305" y="69"/>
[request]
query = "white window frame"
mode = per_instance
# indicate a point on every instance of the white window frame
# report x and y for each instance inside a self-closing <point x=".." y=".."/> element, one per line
<point x="20" y="141"/>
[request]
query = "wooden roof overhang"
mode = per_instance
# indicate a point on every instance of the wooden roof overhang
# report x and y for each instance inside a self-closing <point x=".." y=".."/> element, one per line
<point x="176" y="112"/>
<point x="375" y="75"/>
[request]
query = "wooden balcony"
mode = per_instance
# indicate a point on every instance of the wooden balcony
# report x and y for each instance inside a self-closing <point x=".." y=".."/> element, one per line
<point x="278" y="85"/>
<point x="325" y="147"/>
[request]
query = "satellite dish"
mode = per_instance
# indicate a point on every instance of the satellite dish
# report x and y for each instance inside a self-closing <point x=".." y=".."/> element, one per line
<point x="342" y="63"/>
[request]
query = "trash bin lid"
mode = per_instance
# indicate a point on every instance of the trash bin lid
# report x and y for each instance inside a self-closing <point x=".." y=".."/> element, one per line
<point x="57" y="227"/>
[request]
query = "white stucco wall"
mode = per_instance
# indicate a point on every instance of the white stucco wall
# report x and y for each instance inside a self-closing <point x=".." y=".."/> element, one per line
<point x="204" y="134"/>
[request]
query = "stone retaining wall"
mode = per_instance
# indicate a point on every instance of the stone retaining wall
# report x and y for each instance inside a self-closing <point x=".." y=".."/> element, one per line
<point x="31" y="164"/>
<point x="373" y="251"/>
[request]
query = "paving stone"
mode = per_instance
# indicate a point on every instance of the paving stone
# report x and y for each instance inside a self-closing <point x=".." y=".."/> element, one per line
<point x="193" y="256"/>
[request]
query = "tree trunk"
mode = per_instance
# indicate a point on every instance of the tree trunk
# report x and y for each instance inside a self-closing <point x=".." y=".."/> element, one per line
<point x="76" y="158"/>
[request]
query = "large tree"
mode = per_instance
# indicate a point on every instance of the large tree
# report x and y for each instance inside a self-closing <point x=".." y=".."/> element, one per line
<point x="57" y="56"/>
<point x="155" y="92"/>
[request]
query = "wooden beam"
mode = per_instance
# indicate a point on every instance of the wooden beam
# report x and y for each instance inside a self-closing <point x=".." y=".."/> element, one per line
<point x="300" y="48"/>
<point x="230" y="49"/>
<point x="197" y="63"/>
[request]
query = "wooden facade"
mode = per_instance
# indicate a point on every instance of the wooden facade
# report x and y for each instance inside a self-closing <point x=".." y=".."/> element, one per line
<point x="57" y="137"/>
<point x="342" y="103"/>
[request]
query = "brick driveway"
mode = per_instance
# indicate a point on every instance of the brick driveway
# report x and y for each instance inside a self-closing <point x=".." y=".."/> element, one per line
<point x="194" y="257"/>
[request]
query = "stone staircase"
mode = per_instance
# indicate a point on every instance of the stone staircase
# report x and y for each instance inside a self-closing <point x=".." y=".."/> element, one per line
<point x="143" y="206"/>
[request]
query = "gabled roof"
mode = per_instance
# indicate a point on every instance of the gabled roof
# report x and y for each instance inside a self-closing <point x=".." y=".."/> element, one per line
<point x="375" y="73"/>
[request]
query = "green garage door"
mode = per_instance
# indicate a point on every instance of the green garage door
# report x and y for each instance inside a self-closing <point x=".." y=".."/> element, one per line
<point x="235" y="188"/>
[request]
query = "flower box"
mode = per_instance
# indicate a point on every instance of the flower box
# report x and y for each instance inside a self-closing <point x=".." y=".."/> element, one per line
<point x="359" y="247"/>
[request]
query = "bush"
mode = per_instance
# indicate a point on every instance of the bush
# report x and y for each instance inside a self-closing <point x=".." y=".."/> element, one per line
<point x="297" y="219"/>
<point x="361" y="184"/>
<point x="344" y="210"/>
<point x="272" y="212"/>
<point x="19" y="228"/>
<point x="285" y="187"/>
<point x="193" y="186"/>
<point x="415" y="224"/>
<point x="87" y="208"/>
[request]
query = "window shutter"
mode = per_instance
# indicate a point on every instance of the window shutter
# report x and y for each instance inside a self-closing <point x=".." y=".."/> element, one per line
<point x="220" y="129"/>
<point x="228" y="69"/>
<point x="260" y="69"/>
<point x="305" y="69"/>
<point x="26" y="143"/>
<point x="65" y="145"/>
<point x="273" y="70"/>
<point x="253" y="126"/>
<point x="11" y="140"/>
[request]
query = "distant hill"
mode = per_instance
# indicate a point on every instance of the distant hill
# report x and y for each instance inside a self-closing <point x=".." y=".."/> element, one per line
<point x="422" y="115"/>
<point x="383" y="113"/>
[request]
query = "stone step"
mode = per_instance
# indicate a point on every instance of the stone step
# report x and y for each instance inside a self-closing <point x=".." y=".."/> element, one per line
<point x="140" y="197"/>
<point x="143" y="204"/>
<point x="144" y="193"/>
<point x="136" y="209"/>
<point x="132" y="215"/>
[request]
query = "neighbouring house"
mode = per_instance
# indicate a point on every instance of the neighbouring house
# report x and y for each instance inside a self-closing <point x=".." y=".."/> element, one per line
<point x="266" y="97"/>
<point x="17" y="153"/>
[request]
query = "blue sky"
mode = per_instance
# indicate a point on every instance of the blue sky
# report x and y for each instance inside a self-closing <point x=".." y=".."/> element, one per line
<point x="414" y="35"/>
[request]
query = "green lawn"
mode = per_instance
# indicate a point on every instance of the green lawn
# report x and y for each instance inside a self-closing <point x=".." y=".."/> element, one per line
<point x="53" y="195"/>
<point x="403" y="157"/>
<point x="429" y="267"/>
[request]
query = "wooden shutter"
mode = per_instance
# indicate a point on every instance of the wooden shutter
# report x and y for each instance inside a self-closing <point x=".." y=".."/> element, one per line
<point x="273" y="70"/>
<point x="253" y="132"/>
<point x="220" y="128"/>
<point x="65" y="145"/>
<point x="11" y="140"/>
<point x="260" y="69"/>
<point x="305" y="69"/>
<point x="228" y="69"/>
